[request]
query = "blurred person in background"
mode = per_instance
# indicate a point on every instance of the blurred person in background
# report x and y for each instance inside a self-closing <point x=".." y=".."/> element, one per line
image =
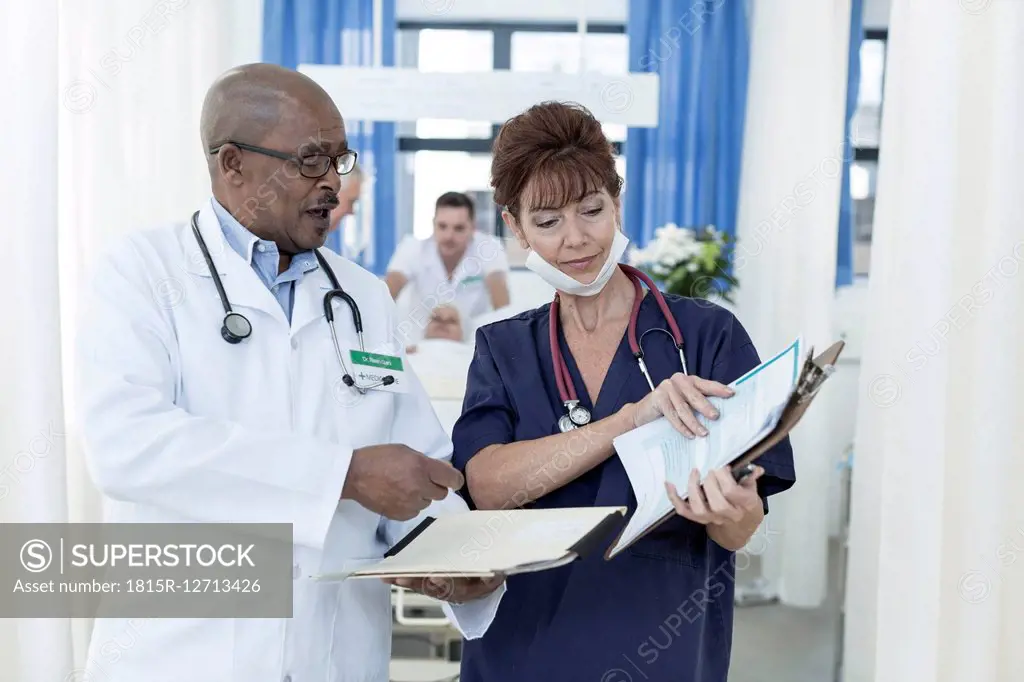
<point x="457" y="264"/>
<point x="445" y="323"/>
<point x="348" y="195"/>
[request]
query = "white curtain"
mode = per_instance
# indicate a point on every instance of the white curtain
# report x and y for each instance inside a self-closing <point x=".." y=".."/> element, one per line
<point x="935" y="588"/>
<point x="100" y="137"/>
<point x="133" y="78"/>
<point x="786" y="250"/>
<point x="31" y="413"/>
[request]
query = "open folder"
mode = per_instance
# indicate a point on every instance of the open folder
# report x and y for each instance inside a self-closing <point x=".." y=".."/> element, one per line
<point x="768" y="402"/>
<point x="485" y="543"/>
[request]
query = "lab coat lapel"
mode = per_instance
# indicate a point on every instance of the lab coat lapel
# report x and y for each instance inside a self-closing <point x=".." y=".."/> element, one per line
<point x="309" y="299"/>
<point x="242" y="285"/>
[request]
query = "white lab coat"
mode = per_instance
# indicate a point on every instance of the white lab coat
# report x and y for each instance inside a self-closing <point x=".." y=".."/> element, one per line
<point x="181" y="426"/>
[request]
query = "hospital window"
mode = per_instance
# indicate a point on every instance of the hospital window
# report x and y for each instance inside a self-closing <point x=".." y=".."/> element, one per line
<point x="437" y="172"/>
<point x="865" y="134"/>
<point x="455" y="154"/>
<point x="560" y="53"/>
<point x="867" y="119"/>
<point x="454" y="51"/>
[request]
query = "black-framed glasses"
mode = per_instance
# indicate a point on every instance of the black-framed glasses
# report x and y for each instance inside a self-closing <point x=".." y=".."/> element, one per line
<point x="311" y="166"/>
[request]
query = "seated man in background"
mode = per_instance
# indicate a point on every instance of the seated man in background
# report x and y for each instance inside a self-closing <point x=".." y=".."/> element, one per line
<point x="456" y="264"/>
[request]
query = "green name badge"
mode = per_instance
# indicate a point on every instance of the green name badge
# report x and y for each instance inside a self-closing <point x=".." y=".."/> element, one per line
<point x="377" y="360"/>
<point x="472" y="280"/>
<point x="371" y="370"/>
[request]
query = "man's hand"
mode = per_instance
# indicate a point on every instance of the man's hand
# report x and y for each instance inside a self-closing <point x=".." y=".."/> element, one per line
<point x="397" y="482"/>
<point x="731" y="511"/>
<point x="453" y="590"/>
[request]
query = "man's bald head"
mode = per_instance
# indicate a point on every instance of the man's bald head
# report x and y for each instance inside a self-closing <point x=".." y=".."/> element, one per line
<point x="246" y="103"/>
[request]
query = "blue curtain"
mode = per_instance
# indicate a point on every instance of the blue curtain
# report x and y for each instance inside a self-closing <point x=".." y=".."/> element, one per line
<point x="341" y="32"/>
<point x="844" y="253"/>
<point x="687" y="170"/>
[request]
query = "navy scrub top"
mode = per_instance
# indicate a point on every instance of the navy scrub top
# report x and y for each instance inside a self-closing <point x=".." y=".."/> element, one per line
<point x="662" y="610"/>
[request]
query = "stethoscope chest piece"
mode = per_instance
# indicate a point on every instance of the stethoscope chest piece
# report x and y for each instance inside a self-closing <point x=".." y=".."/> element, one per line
<point x="236" y="328"/>
<point x="578" y="415"/>
<point x="575" y="416"/>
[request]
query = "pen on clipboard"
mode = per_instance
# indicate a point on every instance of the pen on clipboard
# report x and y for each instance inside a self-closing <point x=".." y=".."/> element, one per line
<point x="743" y="472"/>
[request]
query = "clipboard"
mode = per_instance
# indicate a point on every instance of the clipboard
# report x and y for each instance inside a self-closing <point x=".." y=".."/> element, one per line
<point x="483" y="543"/>
<point x="813" y="374"/>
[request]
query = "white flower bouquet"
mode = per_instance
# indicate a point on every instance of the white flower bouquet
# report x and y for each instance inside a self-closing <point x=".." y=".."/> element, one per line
<point x="688" y="262"/>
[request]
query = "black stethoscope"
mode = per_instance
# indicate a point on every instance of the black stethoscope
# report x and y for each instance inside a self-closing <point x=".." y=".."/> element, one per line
<point x="236" y="327"/>
<point x="575" y="414"/>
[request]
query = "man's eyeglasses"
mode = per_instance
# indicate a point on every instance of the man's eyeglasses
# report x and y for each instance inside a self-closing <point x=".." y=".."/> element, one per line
<point x="310" y="166"/>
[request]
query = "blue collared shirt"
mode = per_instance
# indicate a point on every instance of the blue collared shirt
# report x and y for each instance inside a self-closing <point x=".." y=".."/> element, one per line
<point x="265" y="259"/>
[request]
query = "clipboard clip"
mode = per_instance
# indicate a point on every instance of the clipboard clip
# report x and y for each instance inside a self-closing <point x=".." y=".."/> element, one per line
<point x="812" y="379"/>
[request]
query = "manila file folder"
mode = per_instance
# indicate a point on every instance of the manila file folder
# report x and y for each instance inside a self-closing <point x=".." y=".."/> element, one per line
<point x="814" y="372"/>
<point x="484" y="543"/>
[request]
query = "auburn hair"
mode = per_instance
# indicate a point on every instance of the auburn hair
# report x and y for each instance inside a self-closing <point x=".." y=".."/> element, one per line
<point x="557" y="152"/>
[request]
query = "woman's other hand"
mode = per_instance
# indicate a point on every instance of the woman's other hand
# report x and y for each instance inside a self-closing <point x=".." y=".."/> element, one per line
<point x="732" y="511"/>
<point x="677" y="399"/>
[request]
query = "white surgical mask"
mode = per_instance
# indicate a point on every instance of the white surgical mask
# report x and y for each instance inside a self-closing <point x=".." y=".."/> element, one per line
<point x="566" y="284"/>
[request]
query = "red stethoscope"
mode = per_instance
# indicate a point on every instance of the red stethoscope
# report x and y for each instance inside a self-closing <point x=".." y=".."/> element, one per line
<point x="575" y="414"/>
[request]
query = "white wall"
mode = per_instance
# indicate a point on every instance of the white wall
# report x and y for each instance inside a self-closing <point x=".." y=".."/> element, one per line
<point x="843" y="388"/>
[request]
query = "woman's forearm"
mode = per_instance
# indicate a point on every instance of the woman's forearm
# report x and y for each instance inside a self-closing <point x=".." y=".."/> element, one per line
<point x="506" y="476"/>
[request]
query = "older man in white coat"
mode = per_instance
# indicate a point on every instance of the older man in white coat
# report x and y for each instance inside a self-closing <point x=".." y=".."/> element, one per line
<point x="184" y="421"/>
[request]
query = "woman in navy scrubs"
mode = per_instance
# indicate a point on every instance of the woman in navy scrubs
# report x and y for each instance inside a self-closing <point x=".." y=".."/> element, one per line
<point x="663" y="609"/>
